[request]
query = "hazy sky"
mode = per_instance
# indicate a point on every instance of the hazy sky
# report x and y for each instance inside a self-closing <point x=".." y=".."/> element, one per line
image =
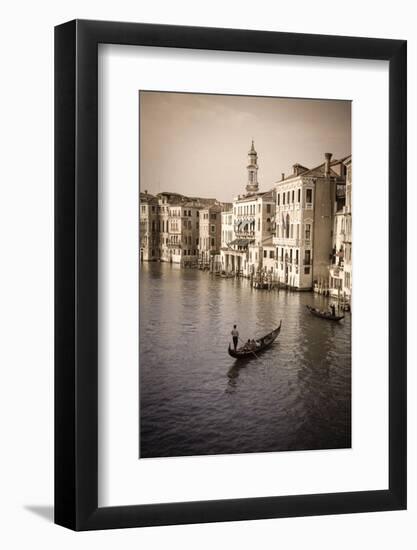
<point x="197" y="144"/>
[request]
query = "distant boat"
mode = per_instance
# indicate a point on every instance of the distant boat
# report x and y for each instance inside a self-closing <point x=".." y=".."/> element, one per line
<point x="261" y="344"/>
<point x="225" y="275"/>
<point x="324" y="314"/>
<point x="261" y="284"/>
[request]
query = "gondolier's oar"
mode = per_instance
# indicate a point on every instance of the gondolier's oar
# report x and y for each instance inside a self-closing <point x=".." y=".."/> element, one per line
<point x="244" y="343"/>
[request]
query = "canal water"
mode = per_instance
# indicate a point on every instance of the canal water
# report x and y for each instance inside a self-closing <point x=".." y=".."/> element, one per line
<point x="195" y="399"/>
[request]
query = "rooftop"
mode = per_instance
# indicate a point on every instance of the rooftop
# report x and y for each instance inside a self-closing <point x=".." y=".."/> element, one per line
<point x="254" y="196"/>
<point x="146" y="197"/>
<point x="317" y="171"/>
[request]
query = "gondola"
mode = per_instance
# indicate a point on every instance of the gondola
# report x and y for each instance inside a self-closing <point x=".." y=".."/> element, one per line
<point x="261" y="345"/>
<point x="324" y="314"/>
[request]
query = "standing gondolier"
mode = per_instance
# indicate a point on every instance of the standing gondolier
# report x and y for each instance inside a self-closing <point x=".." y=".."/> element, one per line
<point x="235" y="336"/>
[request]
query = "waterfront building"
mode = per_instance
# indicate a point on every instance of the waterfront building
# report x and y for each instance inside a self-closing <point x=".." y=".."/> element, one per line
<point x="180" y="222"/>
<point x="248" y="227"/>
<point x="209" y="240"/>
<point x="340" y="269"/>
<point x="227" y="227"/>
<point x="170" y="226"/>
<point x="148" y="228"/>
<point x="179" y="229"/>
<point x="306" y="202"/>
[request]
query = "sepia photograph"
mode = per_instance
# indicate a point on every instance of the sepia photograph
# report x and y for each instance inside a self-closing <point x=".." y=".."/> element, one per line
<point x="245" y="274"/>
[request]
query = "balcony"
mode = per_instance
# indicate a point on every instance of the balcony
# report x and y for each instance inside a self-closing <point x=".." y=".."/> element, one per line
<point x="283" y="241"/>
<point x="245" y="234"/>
<point x="336" y="271"/>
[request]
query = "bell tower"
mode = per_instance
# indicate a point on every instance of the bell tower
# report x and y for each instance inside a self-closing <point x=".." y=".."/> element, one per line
<point x="252" y="168"/>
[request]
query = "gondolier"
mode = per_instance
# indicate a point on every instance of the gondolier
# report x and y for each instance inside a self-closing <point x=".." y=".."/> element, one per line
<point x="253" y="347"/>
<point x="235" y="336"/>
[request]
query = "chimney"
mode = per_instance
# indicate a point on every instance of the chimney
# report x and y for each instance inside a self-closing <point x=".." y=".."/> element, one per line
<point x="282" y="176"/>
<point x="146" y="191"/>
<point x="328" y="157"/>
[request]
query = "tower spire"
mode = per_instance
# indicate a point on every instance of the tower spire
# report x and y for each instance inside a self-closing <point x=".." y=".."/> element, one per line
<point x="252" y="168"/>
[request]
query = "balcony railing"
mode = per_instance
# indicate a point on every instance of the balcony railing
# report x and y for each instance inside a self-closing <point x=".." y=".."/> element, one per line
<point x="245" y="233"/>
<point x="287" y="242"/>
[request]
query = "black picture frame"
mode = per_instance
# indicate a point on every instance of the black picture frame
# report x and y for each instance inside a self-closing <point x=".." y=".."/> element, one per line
<point x="76" y="272"/>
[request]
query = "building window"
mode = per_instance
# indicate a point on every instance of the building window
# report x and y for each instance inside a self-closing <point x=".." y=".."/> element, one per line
<point x="287" y="227"/>
<point x="198" y="214"/>
<point x="292" y="231"/>
<point x="307" y="232"/>
<point x="271" y="254"/>
<point x="306" y="271"/>
<point x="307" y="257"/>
<point x="268" y="208"/>
<point x="259" y="224"/>
<point x="347" y="280"/>
<point x="265" y="254"/>
<point x="309" y="196"/>
<point x="296" y="257"/>
<point x="278" y="198"/>
<point x="299" y="195"/>
<point x="292" y="196"/>
<point x="283" y="198"/>
<point x="213" y="228"/>
<point x="212" y="242"/>
<point x="288" y="197"/>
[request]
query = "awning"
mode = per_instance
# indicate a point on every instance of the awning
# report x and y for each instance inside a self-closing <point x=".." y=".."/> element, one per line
<point x="241" y="242"/>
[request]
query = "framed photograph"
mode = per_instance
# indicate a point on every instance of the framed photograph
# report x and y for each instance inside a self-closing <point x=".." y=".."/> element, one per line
<point x="230" y="244"/>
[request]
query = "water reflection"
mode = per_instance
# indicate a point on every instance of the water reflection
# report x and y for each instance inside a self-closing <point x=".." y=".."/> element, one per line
<point x="196" y="399"/>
